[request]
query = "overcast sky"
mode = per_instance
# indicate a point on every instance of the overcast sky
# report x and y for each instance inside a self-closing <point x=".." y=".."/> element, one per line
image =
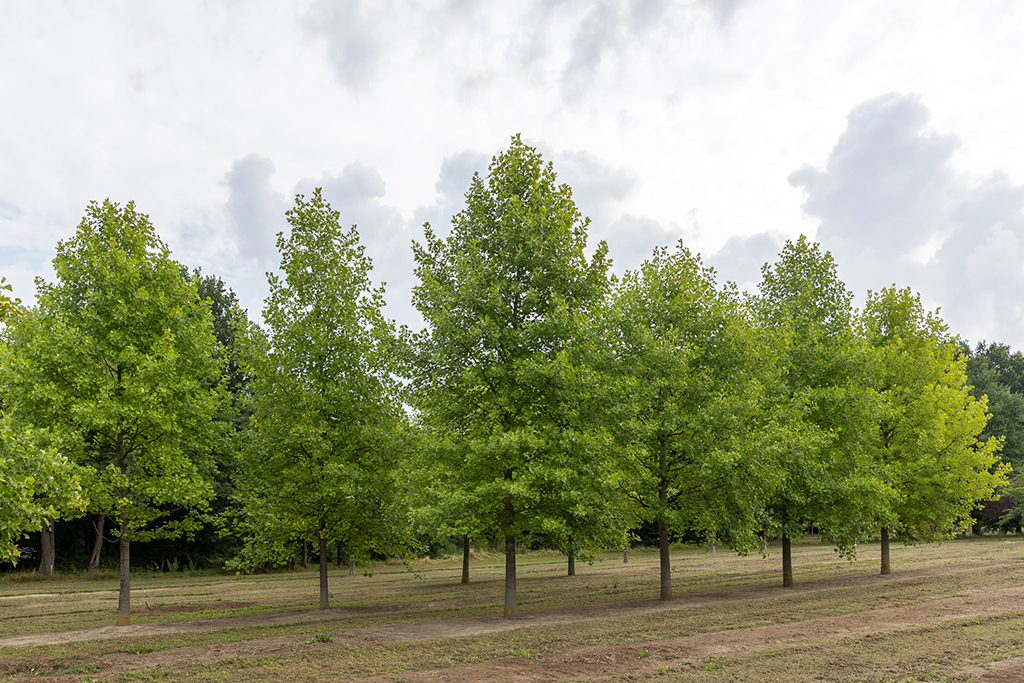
<point x="888" y="131"/>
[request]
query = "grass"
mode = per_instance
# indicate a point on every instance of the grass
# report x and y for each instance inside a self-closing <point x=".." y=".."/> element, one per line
<point x="269" y="627"/>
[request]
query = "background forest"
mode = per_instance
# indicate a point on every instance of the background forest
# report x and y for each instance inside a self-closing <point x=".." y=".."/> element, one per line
<point x="149" y="422"/>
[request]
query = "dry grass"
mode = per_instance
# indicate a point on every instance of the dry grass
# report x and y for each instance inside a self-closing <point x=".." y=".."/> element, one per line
<point x="396" y="622"/>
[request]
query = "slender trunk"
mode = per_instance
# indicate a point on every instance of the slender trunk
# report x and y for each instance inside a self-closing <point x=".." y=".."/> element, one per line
<point x="572" y="565"/>
<point x="465" y="559"/>
<point x="510" y="555"/>
<point x="305" y="554"/>
<point x="46" y="555"/>
<point x="124" y="596"/>
<point x="666" y="566"/>
<point x="787" y="562"/>
<point x="712" y="546"/>
<point x="325" y="598"/>
<point x="97" y="546"/>
<point x="885" y="551"/>
<point x="352" y="566"/>
<point x="510" y="575"/>
<point x="625" y="553"/>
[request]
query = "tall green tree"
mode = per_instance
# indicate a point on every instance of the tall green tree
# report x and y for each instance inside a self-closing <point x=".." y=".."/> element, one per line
<point x="496" y="380"/>
<point x="830" y="478"/>
<point x="326" y="426"/>
<point x="117" y="359"/>
<point x="931" y="429"/>
<point x="691" y="373"/>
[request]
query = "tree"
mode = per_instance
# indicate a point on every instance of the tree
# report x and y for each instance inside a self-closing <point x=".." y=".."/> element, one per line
<point x="690" y="372"/>
<point x="37" y="485"/>
<point x="996" y="372"/>
<point x="495" y="376"/>
<point x="931" y="427"/>
<point x="830" y="478"/>
<point x="118" y="359"/>
<point x="318" y="462"/>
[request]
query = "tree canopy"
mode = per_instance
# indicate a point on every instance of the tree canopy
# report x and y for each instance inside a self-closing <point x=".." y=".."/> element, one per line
<point x="117" y="360"/>
<point x="690" y="371"/>
<point x="830" y="476"/>
<point x="494" y="378"/>
<point x="318" y="462"/>
<point x="931" y="428"/>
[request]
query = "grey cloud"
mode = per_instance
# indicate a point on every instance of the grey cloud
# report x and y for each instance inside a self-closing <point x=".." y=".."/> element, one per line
<point x="893" y="210"/>
<point x="723" y="10"/>
<point x="356" y="183"/>
<point x="356" y="194"/>
<point x="593" y="182"/>
<point x="741" y="258"/>
<point x="885" y="183"/>
<point x="632" y="240"/>
<point x="452" y="183"/>
<point x="597" y="189"/>
<point x="982" y="262"/>
<point x="644" y="14"/>
<point x="255" y="209"/>
<point x="597" y="33"/>
<point x="353" y="40"/>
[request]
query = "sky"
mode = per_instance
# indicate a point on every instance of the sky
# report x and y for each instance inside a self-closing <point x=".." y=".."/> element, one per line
<point x="888" y="132"/>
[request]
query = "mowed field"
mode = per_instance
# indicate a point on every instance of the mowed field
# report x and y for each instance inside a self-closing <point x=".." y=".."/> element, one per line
<point x="948" y="612"/>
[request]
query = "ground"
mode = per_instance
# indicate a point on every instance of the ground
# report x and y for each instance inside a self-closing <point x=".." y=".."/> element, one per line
<point x="948" y="612"/>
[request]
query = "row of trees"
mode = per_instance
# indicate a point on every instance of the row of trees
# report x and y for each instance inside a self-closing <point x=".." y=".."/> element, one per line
<point x="543" y="397"/>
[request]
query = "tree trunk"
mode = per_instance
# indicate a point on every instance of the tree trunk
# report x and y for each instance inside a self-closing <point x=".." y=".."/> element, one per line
<point x="305" y="554"/>
<point x="510" y="573"/>
<point x="787" y="562"/>
<point x="885" y="551"/>
<point x="124" y="596"/>
<point x="352" y="566"/>
<point x="572" y="566"/>
<point x="97" y="546"/>
<point x="625" y="554"/>
<point x="510" y="555"/>
<point x="712" y="546"/>
<point x="325" y="598"/>
<point x="666" y="566"/>
<point x="465" y="559"/>
<point x="47" y="552"/>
